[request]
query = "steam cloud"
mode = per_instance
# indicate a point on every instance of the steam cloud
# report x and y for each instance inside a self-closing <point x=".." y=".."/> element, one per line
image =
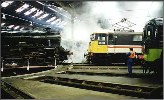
<point x="93" y="16"/>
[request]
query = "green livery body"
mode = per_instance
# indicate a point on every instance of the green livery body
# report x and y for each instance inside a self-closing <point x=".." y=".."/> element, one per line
<point x="152" y="54"/>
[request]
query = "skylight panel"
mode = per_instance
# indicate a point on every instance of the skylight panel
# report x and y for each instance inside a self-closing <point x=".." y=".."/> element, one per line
<point x="51" y="19"/>
<point x="2" y="24"/>
<point x="25" y="6"/>
<point x="54" y="22"/>
<point x="6" y="3"/>
<point x="38" y="13"/>
<point x="59" y="22"/>
<point x="63" y="23"/>
<point x="30" y="11"/>
<point x="22" y="28"/>
<point x="43" y="16"/>
<point x="11" y="26"/>
<point x="16" y="27"/>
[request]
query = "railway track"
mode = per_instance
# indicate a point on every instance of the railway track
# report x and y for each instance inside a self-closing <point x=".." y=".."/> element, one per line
<point x="108" y="71"/>
<point x="87" y="64"/>
<point x="129" y="90"/>
<point x="134" y="75"/>
<point x="20" y="71"/>
<point x="13" y="92"/>
<point x="83" y="83"/>
<point x="102" y="67"/>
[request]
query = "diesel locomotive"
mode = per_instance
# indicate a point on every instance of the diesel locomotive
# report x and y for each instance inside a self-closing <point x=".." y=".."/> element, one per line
<point x="112" y="47"/>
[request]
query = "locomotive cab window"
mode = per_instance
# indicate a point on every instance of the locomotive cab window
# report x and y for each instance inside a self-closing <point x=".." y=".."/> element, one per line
<point x="102" y="39"/>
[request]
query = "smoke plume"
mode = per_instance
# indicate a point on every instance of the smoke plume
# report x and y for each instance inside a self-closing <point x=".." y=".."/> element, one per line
<point x="93" y="16"/>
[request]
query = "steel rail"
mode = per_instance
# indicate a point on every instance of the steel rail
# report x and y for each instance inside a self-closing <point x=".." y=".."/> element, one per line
<point x="14" y="92"/>
<point x="129" y="90"/>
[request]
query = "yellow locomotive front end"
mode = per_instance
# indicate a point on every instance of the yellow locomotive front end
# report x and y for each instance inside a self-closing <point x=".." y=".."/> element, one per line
<point x="97" y="49"/>
<point x="98" y="43"/>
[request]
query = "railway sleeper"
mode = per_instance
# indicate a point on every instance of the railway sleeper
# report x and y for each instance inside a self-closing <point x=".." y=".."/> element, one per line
<point x="14" y="92"/>
<point x="134" y="75"/>
<point x="129" y="90"/>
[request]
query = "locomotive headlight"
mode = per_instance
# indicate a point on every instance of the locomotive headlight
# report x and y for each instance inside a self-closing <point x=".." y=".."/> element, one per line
<point x="101" y="42"/>
<point x="91" y="53"/>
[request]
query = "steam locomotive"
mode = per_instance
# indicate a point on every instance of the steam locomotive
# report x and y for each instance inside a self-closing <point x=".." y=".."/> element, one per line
<point x="36" y="49"/>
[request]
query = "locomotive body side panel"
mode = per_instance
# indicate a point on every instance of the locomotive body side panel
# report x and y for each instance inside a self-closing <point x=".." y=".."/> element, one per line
<point x="123" y="48"/>
<point x="95" y="48"/>
<point x="153" y="54"/>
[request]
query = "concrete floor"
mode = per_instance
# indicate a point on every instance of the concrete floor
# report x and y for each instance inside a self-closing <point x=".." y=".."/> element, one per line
<point x="110" y="79"/>
<point x="41" y="90"/>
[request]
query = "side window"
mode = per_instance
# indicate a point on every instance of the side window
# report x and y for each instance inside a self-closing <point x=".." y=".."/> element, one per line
<point x="137" y="38"/>
<point x="110" y="39"/>
<point x="150" y="32"/>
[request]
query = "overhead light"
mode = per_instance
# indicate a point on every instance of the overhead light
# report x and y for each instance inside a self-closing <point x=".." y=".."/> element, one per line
<point x="43" y="16"/>
<point x="30" y="11"/>
<point x="22" y="28"/>
<point x="58" y="23"/>
<point x="54" y="22"/>
<point x="38" y="13"/>
<point x="16" y="27"/>
<point x="2" y="24"/>
<point x="63" y="23"/>
<point x="6" y="3"/>
<point x="51" y="19"/>
<point x="59" y="8"/>
<point x="11" y="26"/>
<point x="25" y="6"/>
<point x="4" y="17"/>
